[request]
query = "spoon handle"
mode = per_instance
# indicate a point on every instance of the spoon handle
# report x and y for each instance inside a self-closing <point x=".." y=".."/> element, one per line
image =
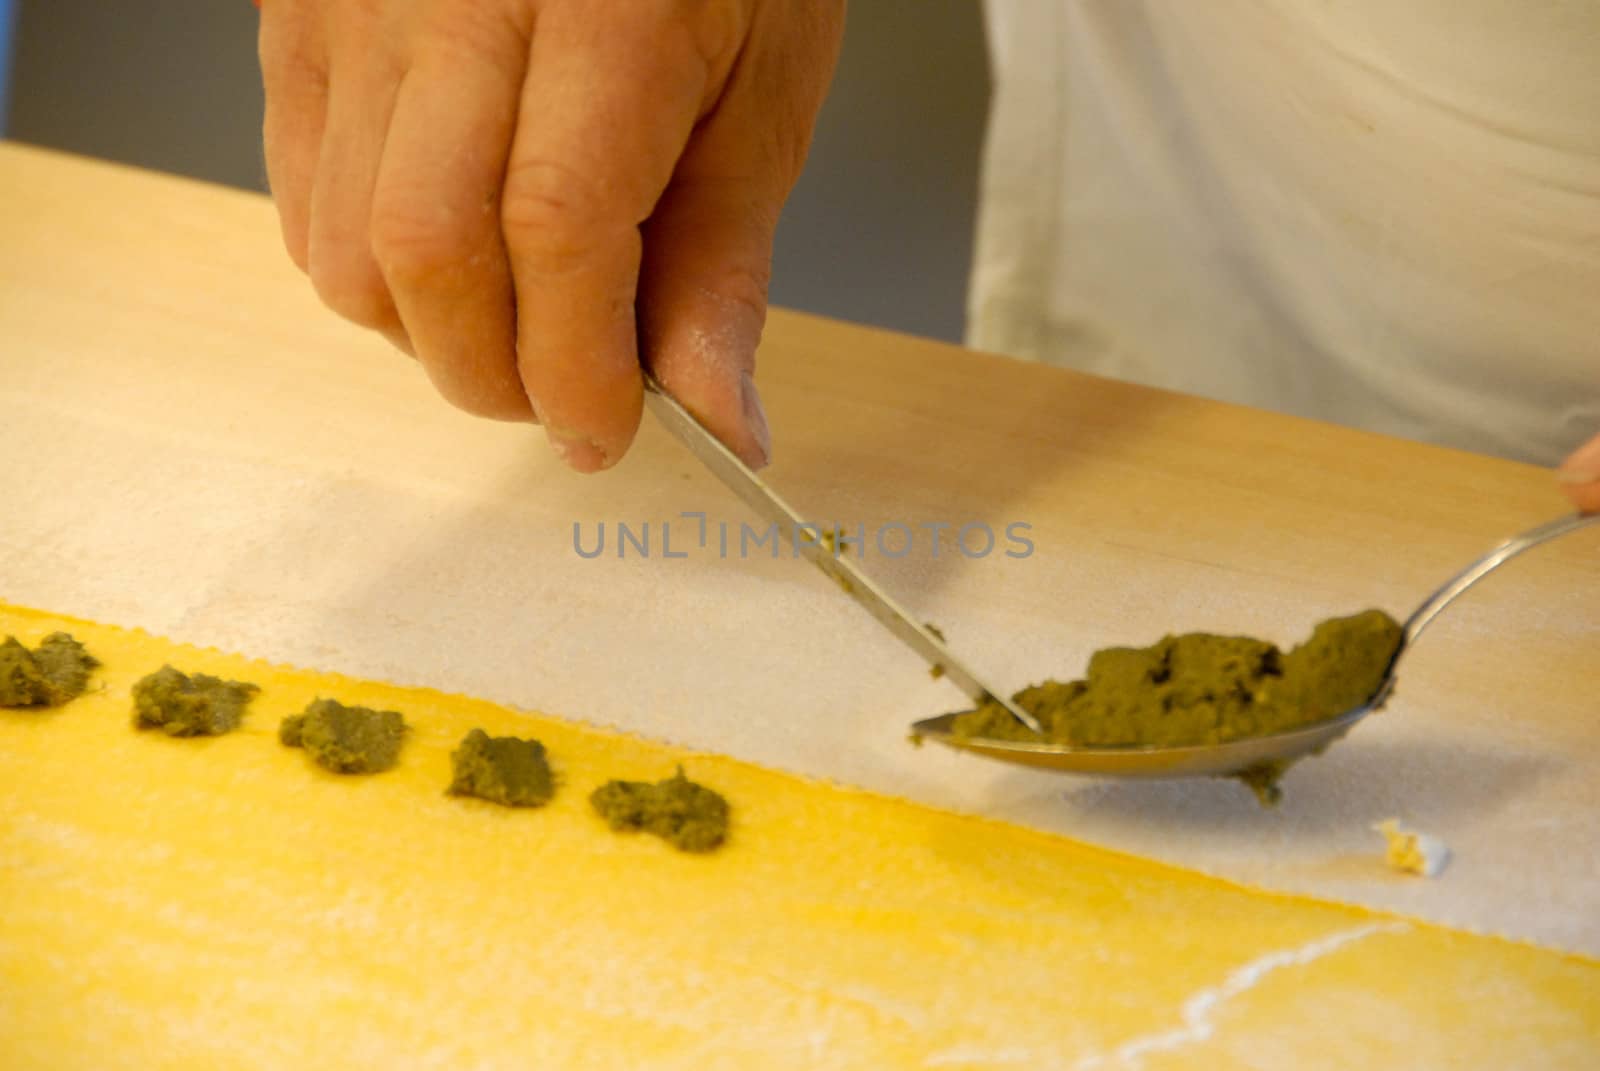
<point x="1488" y="564"/>
<point x="805" y="539"/>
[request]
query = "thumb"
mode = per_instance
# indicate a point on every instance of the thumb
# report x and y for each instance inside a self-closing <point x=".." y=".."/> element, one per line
<point x="702" y="303"/>
<point x="1580" y="476"/>
<point x="702" y="297"/>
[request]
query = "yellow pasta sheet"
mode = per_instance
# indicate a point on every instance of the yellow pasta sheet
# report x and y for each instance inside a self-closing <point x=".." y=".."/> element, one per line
<point x="222" y="903"/>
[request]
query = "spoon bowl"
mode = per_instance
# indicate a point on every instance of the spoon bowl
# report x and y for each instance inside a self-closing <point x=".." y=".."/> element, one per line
<point x="1152" y="763"/>
<point x="1238" y="756"/>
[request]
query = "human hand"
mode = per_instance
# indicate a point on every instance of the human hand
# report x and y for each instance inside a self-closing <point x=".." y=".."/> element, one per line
<point x="532" y="196"/>
<point x="1580" y="476"/>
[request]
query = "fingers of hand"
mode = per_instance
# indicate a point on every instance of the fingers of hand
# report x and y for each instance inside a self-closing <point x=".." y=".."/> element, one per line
<point x="607" y="107"/>
<point x="364" y="72"/>
<point x="386" y="133"/>
<point x="294" y="75"/>
<point x="478" y="198"/>
<point x="708" y="244"/>
<point x="702" y="303"/>
<point x="435" y="215"/>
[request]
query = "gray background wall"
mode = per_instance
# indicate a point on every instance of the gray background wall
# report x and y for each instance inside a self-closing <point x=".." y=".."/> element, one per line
<point x="879" y="230"/>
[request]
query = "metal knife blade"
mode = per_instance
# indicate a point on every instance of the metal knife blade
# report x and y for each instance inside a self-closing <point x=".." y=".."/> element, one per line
<point x="806" y="538"/>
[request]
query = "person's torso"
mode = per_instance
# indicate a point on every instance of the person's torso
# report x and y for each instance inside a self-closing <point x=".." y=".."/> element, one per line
<point x="1382" y="214"/>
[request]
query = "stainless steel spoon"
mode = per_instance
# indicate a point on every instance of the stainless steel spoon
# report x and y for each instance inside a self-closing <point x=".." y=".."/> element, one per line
<point x="807" y="540"/>
<point x="1235" y="756"/>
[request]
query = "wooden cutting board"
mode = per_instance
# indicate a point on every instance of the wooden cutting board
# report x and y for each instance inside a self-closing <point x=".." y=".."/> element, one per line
<point x="202" y="452"/>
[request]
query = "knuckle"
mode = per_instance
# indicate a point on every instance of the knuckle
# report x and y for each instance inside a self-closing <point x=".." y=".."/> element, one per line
<point x="477" y="33"/>
<point x="741" y="283"/>
<point x="747" y="284"/>
<point x="290" y="48"/>
<point x="552" y="212"/>
<point x="411" y="247"/>
<point x="292" y="69"/>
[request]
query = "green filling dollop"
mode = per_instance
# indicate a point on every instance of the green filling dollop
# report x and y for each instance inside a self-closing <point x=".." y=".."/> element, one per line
<point x="346" y="739"/>
<point x="502" y="769"/>
<point x="181" y="705"/>
<point x="1201" y="688"/>
<point x="47" y="676"/>
<point x="687" y="815"/>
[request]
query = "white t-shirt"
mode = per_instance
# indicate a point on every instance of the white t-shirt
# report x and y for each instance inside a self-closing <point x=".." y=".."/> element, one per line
<point x="1384" y="213"/>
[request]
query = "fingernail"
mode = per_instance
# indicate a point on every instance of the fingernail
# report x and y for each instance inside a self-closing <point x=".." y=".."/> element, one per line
<point x="755" y="418"/>
<point x="1577" y="476"/>
<point x="584" y="455"/>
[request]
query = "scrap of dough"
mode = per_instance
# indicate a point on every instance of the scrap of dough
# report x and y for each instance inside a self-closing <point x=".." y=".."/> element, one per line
<point x="1413" y="853"/>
